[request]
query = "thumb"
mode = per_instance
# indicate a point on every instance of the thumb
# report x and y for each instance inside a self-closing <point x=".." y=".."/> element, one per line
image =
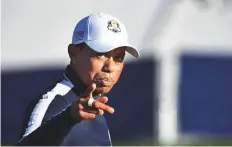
<point x="89" y="91"/>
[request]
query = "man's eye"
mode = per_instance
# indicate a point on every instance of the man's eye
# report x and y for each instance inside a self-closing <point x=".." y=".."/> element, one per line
<point x="119" y="58"/>
<point x="100" y="55"/>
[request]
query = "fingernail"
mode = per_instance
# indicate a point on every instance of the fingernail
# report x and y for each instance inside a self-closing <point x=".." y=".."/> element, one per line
<point x="112" y="111"/>
<point x="94" y="85"/>
<point x="102" y="112"/>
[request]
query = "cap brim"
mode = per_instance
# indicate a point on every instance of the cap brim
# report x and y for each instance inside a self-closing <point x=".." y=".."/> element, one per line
<point x="102" y="47"/>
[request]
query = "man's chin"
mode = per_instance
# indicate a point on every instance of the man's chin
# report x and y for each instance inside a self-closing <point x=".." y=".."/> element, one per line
<point x="104" y="90"/>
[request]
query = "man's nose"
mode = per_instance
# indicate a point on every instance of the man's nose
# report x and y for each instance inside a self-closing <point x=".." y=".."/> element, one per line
<point x="109" y="65"/>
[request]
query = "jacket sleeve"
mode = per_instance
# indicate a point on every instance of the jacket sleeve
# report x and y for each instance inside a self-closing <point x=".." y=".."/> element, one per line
<point x="56" y="125"/>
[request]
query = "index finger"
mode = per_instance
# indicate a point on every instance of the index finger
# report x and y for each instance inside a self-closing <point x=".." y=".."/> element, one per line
<point x="89" y="91"/>
<point x="99" y="105"/>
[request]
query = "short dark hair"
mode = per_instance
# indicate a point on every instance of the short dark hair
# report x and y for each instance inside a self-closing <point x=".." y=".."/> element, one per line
<point x="80" y="44"/>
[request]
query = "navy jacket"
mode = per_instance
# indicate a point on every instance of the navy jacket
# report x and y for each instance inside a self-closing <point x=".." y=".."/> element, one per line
<point x="48" y="121"/>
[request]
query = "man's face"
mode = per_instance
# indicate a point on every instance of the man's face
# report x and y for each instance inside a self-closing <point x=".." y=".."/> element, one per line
<point x="103" y="69"/>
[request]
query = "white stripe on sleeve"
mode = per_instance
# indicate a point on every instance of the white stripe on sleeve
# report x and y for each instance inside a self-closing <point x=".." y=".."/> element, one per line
<point x="40" y="109"/>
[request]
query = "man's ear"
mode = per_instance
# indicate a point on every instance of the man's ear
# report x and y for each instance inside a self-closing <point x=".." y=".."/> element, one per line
<point x="73" y="50"/>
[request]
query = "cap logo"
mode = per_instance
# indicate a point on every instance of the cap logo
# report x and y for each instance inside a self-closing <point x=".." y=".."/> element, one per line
<point x="113" y="26"/>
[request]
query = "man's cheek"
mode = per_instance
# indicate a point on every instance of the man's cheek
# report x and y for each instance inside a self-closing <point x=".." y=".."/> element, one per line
<point x="96" y="65"/>
<point x="117" y="76"/>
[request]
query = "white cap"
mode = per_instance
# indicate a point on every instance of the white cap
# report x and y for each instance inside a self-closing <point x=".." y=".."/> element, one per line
<point x="102" y="33"/>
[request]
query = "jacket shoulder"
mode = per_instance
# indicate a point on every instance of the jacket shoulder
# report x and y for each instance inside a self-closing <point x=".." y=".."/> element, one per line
<point x="46" y="106"/>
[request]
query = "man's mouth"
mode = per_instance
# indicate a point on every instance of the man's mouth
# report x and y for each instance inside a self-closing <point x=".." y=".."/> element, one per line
<point x="103" y="82"/>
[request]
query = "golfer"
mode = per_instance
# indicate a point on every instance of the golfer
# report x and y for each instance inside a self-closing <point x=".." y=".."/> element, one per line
<point x="71" y="112"/>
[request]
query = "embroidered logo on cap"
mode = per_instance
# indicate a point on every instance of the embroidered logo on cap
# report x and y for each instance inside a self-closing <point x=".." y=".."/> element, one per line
<point x="113" y="26"/>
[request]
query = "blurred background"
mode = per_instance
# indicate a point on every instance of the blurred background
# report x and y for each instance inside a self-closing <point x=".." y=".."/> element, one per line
<point x="178" y="93"/>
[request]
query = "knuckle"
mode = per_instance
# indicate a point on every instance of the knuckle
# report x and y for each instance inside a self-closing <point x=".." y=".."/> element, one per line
<point x="84" y="116"/>
<point x="80" y="115"/>
<point x="97" y="104"/>
<point x="103" y="106"/>
<point x="81" y="100"/>
<point x="80" y="107"/>
<point x="92" y="116"/>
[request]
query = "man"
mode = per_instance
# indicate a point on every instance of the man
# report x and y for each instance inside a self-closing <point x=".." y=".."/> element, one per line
<point x="72" y="112"/>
